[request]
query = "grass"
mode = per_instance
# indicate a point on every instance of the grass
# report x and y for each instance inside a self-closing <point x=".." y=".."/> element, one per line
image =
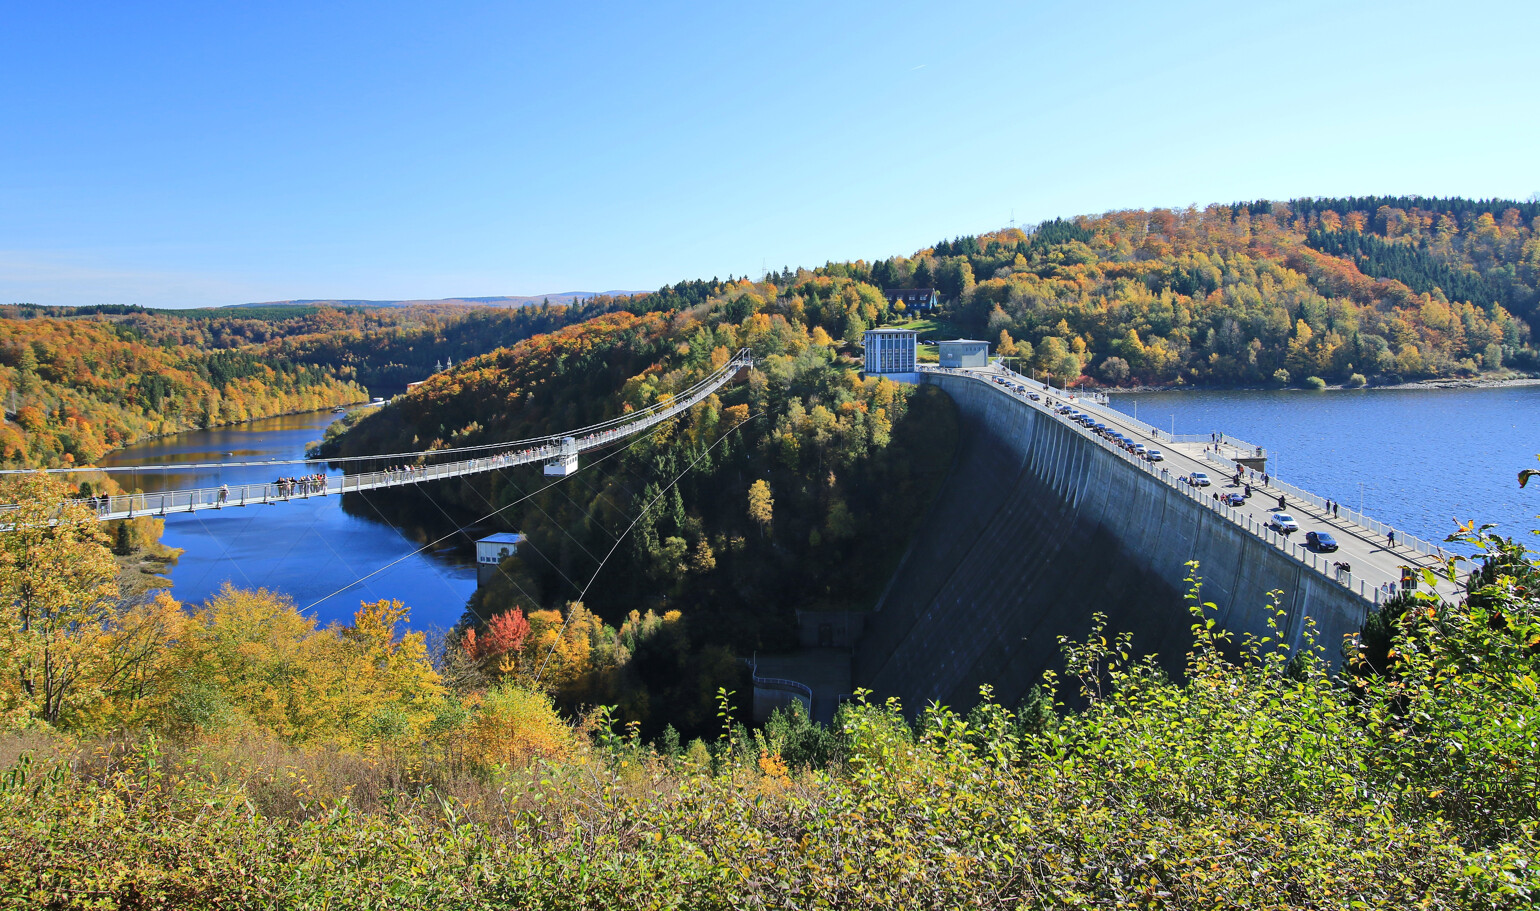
<point x="932" y="328"/>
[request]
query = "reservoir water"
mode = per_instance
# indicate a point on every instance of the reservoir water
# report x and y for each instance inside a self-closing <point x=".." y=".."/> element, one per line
<point x="1418" y="458"/>
<point x="306" y="549"/>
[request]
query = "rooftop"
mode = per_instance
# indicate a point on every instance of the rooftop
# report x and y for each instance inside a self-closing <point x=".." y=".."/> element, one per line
<point x="963" y="341"/>
<point x="888" y="329"/>
<point x="502" y="537"/>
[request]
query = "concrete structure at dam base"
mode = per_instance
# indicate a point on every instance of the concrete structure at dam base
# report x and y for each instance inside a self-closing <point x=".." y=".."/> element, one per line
<point x="1038" y="528"/>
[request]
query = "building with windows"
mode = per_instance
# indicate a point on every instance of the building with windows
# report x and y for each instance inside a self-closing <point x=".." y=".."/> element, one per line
<point x="893" y="352"/>
<point x="964" y="352"/>
<point x="921" y="300"/>
<point x="491" y="550"/>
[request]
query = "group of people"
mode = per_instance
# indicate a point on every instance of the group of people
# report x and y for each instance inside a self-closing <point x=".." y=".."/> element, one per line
<point x="288" y="487"/>
<point x="1332" y="508"/>
<point x="99" y="504"/>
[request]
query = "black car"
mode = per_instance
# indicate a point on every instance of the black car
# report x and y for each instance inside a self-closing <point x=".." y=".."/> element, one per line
<point x="1320" y="541"/>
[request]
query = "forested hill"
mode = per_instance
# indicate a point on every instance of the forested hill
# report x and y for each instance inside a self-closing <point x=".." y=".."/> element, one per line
<point x="1254" y="293"/>
<point x="76" y="388"/>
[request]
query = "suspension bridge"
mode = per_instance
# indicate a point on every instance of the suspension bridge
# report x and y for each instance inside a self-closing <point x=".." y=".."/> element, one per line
<point x="558" y="452"/>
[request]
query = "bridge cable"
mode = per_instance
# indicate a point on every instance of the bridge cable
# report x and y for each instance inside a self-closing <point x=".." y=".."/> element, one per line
<point x="461" y="529"/>
<point x="436" y="571"/>
<point x="644" y="510"/>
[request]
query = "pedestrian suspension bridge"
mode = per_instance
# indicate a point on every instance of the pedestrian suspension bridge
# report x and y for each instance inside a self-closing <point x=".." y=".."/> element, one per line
<point x="558" y="452"/>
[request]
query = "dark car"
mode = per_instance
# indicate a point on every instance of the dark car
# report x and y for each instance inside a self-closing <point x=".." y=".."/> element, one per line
<point x="1321" y="541"/>
<point x="1233" y="499"/>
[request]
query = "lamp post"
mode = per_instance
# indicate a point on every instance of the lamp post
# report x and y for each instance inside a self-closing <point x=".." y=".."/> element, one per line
<point x="1360" y="499"/>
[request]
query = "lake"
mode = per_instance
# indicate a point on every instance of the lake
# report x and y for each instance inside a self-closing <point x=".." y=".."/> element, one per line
<point x="307" y="549"/>
<point x="1417" y="459"/>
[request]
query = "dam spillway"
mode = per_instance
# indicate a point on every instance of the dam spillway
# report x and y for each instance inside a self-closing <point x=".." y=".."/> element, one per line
<point x="1038" y="527"/>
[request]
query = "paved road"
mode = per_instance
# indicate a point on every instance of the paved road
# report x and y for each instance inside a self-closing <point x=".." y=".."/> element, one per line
<point x="1374" y="563"/>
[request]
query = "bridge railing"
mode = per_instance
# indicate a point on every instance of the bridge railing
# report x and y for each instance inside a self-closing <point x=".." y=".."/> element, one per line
<point x="1331" y="570"/>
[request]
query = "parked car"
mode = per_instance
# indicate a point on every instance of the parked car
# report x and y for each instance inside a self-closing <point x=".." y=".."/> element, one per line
<point x="1233" y="499"/>
<point x="1140" y="450"/>
<point x="1034" y="396"/>
<point x="1283" y="523"/>
<point x="1199" y="479"/>
<point x="1320" y="541"/>
<point x="1155" y="455"/>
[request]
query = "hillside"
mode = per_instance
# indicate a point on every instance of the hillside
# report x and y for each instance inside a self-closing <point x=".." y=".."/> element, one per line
<point x="1252" y="293"/>
<point x="76" y="388"/>
<point x="844" y="467"/>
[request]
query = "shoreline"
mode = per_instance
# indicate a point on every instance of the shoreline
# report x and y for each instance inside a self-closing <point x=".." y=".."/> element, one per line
<point x="1475" y="383"/>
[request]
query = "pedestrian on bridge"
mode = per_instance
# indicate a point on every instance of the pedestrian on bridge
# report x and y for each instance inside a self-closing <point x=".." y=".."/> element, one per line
<point x="224" y="494"/>
<point x="1392" y="537"/>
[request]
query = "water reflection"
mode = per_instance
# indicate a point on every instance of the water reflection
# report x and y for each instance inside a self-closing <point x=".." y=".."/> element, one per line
<point x="307" y="549"/>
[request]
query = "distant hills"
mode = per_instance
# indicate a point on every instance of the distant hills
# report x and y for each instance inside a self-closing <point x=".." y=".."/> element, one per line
<point x="564" y="297"/>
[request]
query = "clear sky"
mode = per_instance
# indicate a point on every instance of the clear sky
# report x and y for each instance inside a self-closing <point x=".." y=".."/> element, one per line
<point x="185" y="154"/>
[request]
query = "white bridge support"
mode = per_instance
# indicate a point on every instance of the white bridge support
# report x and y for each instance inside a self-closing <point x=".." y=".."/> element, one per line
<point x="559" y="453"/>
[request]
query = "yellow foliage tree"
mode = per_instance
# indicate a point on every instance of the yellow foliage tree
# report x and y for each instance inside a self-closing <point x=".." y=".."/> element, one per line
<point x="58" y="588"/>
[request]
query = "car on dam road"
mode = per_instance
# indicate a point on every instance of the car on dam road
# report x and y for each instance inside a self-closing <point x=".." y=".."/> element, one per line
<point x="1233" y="499"/>
<point x="1155" y="455"/>
<point x="1283" y="523"/>
<point x="1320" y="541"/>
<point x="1199" y="479"/>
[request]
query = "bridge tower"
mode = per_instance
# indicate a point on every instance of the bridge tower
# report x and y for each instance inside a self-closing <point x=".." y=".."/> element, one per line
<point x="565" y="461"/>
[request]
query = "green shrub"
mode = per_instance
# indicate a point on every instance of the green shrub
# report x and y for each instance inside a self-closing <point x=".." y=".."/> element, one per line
<point x="1356" y="381"/>
<point x="1315" y="382"/>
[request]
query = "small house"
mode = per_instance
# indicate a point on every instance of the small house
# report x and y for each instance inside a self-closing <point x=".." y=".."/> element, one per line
<point x="491" y="550"/>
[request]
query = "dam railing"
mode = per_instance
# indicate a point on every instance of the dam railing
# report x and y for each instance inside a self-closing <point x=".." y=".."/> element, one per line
<point x="1371" y="591"/>
<point x="1097" y="403"/>
<point x="1417" y="544"/>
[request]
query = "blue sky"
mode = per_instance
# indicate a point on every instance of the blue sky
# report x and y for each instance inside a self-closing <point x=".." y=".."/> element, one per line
<point x="206" y="154"/>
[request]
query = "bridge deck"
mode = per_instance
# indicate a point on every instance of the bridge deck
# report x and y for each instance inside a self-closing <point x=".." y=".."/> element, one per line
<point x="1375" y="565"/>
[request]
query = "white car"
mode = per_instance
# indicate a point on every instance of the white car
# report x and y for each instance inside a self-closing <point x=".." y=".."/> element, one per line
<point x="1199" y="479"/>
<point x="1283" y="523"/>
<point x="1155" y="455"/>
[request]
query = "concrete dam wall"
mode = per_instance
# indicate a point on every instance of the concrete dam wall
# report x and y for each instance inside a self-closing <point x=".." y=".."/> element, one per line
<point x="1038" y="527"/>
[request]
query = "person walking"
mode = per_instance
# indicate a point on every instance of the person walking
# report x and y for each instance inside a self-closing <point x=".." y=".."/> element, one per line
<point x="1392" y="537"/>
<point x="224" y="494"/>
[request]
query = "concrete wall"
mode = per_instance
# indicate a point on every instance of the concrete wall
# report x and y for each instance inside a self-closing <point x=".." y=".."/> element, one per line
<point x="1039" y="527"/>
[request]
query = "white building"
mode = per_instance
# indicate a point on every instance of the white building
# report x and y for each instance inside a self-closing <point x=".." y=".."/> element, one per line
<point x="491" y="550"/>
<point x="964" y="352"/>
<point x="893" y="351"/>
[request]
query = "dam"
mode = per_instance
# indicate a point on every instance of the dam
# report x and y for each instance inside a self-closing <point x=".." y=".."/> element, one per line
<point x="1042" y="524"/>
